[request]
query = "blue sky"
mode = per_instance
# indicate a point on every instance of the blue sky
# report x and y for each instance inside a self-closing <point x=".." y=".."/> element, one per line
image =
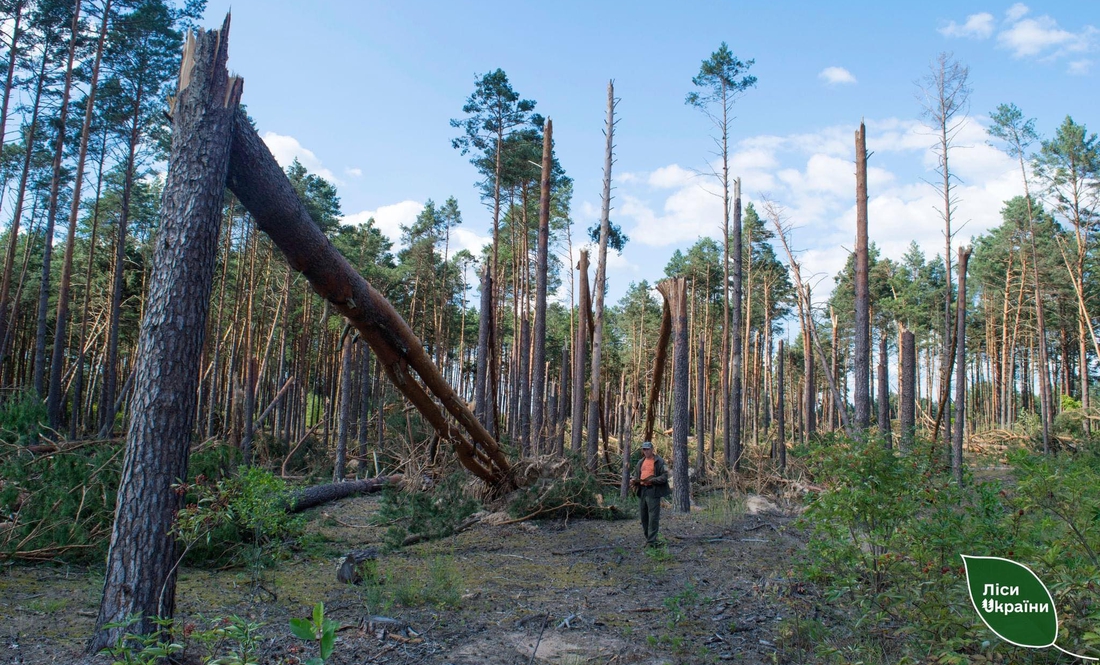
<point x="362" y="93"/>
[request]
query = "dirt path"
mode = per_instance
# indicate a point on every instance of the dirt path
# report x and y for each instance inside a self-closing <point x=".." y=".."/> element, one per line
<point x="583" y="591"/>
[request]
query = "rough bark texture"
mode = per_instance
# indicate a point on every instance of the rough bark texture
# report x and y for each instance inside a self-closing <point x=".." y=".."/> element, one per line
<point x="563" y="403"/>
<point x="339" y="470"/>
<point x="862" y="359"/>
<point x="809" y="403"/>
<point x="260" y="184"/>
<point x="628" y="432"/>
<point x="733" y="454"/>
<point x="883" y="390"/>
<point x="538" y="352"/>
<point x="908" y="385"/>
<point x="675" y="293"/>
<point x="140" y="575"/>
<point x="700" y="409"/>
<point x="960" y="368"/>
<point x="579" y="346"/>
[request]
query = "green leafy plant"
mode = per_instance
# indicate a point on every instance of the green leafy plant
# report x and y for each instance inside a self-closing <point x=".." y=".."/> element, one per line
<point x="131" y="649"/>
<point x="229" y="641"/>
<point x="318" y="629"/>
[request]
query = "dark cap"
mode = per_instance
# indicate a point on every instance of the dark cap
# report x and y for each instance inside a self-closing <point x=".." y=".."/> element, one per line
<point x="648" y="445"/>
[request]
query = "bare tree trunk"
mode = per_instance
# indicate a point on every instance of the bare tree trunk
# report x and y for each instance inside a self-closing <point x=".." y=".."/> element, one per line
<point x="675" y="292"/>
<point x="579" y="345"/>
<point x="484" y="327"/>
<point x="601" y="282"/>
<point x="628" y="432"/>
<point x="564" y="403"/>
<point x="659" y="356"/>
<point x="141" y="564"/>
<point x="733" y="455"/>
<point x="809" y="406"/>
<point x="700" y="409"/>
<point x="862" y="360"/>
<point x="780" y="429"/>
<point x="960" y="369"/>
<point x="538" y="387"/>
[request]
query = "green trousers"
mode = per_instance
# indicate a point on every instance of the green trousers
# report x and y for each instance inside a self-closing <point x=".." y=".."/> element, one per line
<point x="649" y="508"/>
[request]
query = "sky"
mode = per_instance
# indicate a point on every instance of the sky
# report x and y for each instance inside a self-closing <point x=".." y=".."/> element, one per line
<point x="362" y="92"/>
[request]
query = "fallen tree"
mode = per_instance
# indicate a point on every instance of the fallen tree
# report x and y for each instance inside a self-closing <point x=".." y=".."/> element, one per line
<point x="262" y="187"/>
<point x="311" y="497"/>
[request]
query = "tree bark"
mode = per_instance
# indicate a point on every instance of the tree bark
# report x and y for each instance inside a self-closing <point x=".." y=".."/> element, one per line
<point x="862" y="359"/>
<point x="538" y="386"/>
<point x="484" y="326"/>
<point x="311" y="497"/>
<point x="628" y="432"/>
<point x="601" y="282"/>
<point x="675" y="293"/>
<point x="658" y="371"/>
<point x="883" y="391"/>
<point x="907" y="396"/>
<point x="960" y="369"/>
<point x="733" y="455"/>
<point x="579" y="346"/>
<point x="141" y="570"/>
<point x="339" y="470"/>
<point x="700" y="408"/>
<point x="780" y="429"/>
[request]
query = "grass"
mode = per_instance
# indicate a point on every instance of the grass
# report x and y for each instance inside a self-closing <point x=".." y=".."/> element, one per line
<point x="439" y="586"/>
<point x="722" y="508"/>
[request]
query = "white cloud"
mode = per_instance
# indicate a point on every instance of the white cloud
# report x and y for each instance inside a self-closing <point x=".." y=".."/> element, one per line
<point x="286" y="148"/>
<point x="836" y="76"/>
<point x="1043" y="36"/>
<point x="668" y="177"/>
<point x="466" y="239"/>
<point x="977" y="26"/>
<point x="389" y="218"/>
<point x="1017" y="12"/>
<point x="353" y="172"/>
<point x="1080" y="67"/>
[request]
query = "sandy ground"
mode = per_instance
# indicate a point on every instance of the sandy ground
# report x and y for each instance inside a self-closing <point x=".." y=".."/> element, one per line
<point x="580" y="591"/>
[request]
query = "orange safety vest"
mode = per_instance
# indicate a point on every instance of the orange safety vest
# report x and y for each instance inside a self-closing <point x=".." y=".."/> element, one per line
<point x="648" y="469"/>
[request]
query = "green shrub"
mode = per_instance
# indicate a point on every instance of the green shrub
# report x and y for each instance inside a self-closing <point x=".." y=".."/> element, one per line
<point x="431" y="514"/>
<point x="22" y="418"/>
<point x="577" y="494"/>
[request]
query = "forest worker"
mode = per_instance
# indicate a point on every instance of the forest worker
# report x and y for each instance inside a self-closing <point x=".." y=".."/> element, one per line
<point x="651" y="481"/>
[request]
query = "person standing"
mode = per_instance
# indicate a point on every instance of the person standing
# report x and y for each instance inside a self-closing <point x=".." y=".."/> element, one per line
<point x="651" y="481"/>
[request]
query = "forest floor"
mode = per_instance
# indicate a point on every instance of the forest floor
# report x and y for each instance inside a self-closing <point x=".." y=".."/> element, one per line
<point x="582" y="591"/>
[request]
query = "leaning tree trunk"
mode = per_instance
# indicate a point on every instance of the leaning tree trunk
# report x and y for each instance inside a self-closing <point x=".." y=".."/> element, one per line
<point x="862" y="360"/>
<point x="538" y="384"/>
<point x="261" y="185"/>
<point x="960" y="369"/>
<point x="579" y="346"/>
<point x="601" y="283"/>
<point x="141" y="563"/>
<point x="675" y="292"/>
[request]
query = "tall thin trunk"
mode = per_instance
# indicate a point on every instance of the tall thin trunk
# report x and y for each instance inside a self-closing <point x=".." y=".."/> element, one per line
<point x="780" y="425"/>
<point x="960" y="369"/>
<point x="54" y="403"/>
<point x="601" y="280"/>
<point x="883" y="390"/>
<point x="675" y="292"/>
<point x="733" y="460"/>
<point x="907" y="392"/>
<point x="339" y="469"/>
<point x="485" y="324"/>
<point x="538" y="387"/>
<point x="700" y="410"/>
<point x="862" y="360"/>
<point x="579" y="348"/>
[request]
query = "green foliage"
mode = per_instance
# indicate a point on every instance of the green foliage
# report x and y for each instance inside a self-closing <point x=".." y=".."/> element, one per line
<point x="431" y="514"/>
<point x="237" y="520"/>
<point x="21" y="419"/>
<point x="229" y="641"/>
<point x="131" y="649"/>
<point x="318" y="629"/>
<point x="574" y="493"/>
<point x="888" y="531"/>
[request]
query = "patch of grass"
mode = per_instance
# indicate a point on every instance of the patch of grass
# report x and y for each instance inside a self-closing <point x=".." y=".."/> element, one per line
<point x="439" y="585"/>
<point x="722" y="508"/>
<point x="659" y="554"/>
<point x="48" y="605"/>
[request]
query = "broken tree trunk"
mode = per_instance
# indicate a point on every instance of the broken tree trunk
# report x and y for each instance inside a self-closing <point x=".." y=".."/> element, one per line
<point x="141" y="564"/>
<point x="960" y="369"/>
<point x="675" y="293"/>
<point x="260" y="184"/>
<point x="658" y="371"/>
<point x="538" y="382"/>
<point x="579" y="346"/>
<point x="317" y="495"/>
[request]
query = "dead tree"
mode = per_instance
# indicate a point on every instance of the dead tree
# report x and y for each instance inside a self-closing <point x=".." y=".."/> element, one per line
<point x="907" y="392"/>
<point x="675" y="293"/>
<point x="601" y="282"/>
<point x="862" y="358"/>
<point x="733" y="453"/>
<point x="141" y="563"/>
<point x="262" y="187"/>
<point x="579" y="347"/>
<point x="660" y="354"/>
<point x="960" y="369"/>
<point x="538" y="385"/>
